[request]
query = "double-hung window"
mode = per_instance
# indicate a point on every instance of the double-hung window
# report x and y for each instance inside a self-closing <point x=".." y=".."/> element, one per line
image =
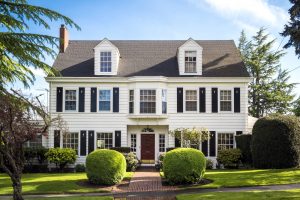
<point x="104" y="100"/>
<point x="190" y="61"/>
<point x="225" y="141"/>
<point x="70" y="140"/>
<point x="225" y="100"/>
<point x="131" y="101"/>
<point x="104" y="140"/>
<point x="191" y="100"/>
<point x="164" y="101"/>
<point x="70" y="100"/>
<point x="105" y="61"/>
<point x="147" y="101"/>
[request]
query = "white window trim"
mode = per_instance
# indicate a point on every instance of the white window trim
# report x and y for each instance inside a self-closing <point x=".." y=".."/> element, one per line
<point x="111" y="62"/>
<point x="111" y="99"/>
<point x="190" y="73"/>
<point x="103" y="131"/>
<point x="139" y="101"/>
<point x="219" y="99"/>
<point x="79" y="141"/>
<point x="184" y="100"/>
<point x="217" y="139"/>
<point x="64" y="99"/>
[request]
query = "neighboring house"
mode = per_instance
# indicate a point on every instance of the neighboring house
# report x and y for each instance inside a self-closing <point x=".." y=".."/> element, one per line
<point x="130" y="93"/>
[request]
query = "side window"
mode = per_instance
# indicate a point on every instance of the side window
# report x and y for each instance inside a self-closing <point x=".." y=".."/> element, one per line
<point x="164" y="101"/>
<point x="70" y="100"/>
<point x="133" y="142"/>
<point x="131" y="101"/>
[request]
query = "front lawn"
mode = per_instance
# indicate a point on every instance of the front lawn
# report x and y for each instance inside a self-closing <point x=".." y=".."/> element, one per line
<point x="253" y="195"/>
<point x="242" y="178"/>
<point x="75" y="198"/>
<point x="48" y="183"/>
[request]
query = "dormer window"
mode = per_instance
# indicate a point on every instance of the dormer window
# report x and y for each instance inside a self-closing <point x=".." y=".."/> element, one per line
<point x="190" y="61"/>
<point x="105" y="61"/>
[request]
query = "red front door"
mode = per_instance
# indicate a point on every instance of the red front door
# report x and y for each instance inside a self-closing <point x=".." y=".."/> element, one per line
<point x="147" y="146"/>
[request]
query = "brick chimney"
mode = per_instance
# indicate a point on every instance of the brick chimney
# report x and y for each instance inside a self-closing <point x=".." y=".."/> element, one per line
<point x="64" y="38"/>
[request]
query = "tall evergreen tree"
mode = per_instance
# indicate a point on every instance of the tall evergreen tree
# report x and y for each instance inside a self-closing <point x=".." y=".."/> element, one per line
<point x="292" y="29"/>
<point x="21" y="49"/>
<point x="269" y="91"/>
<point x="296" y="107"/>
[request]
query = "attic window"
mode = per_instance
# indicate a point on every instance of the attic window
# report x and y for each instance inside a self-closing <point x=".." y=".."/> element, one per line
<point x="105" y="61"/>
<point x="190" y="61"/>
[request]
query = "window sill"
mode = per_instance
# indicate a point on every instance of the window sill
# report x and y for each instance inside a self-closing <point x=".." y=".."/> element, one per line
<point x="147" y="116"/>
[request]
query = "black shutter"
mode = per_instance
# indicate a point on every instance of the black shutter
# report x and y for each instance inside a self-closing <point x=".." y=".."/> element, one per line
<point x="202" y="103"/>
<point x="212" y="143"/>
<point x="214" y="100"/>
<point x="239" y="132"/>
<point x="179" y="100"/>
<point x="204" y="147"/>
<point x="237" y="100"/>
<point x="81" y="99"/>
<point x="56" y="138"/>
<point x="91" y="141"/>
<point x="93" y="99"/>
<point x="116" y="100"/>
<point x="59" y="99"/>
<point x="177" y="142"/>
<point x="82" y="143"/>
<point x="117" y="138"/>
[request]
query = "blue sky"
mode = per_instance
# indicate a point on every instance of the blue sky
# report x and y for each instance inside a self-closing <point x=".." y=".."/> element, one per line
<point x="170" y="19"/>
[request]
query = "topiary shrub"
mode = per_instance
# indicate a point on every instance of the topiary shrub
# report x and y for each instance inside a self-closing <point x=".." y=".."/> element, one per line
<point x="184" y="165"/>
<point x="61" y="157"/>
<point x="276" y="142"/>
<point x="243" y="142"/>
<point x="230" y="158"/>
<point x="105" y="167"/>
<point x="131" y="162"/>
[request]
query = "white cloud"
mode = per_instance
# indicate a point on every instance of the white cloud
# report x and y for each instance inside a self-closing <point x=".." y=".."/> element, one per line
<point x="249" y="12"/>
<point x="253" y="10"/>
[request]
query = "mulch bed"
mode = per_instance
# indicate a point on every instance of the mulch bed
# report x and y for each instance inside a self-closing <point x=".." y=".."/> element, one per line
<point x="202" y="182"/>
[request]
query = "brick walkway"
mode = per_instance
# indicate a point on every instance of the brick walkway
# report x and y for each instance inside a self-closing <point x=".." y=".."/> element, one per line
<point x="147" y="179"/>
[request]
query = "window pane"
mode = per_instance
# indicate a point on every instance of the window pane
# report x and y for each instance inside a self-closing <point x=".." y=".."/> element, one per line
<point x="131" y="101"/>
<point x="104" y="140"/>
<point x="191" y="100"/>
<point x="105" y="62"/>
<point x="70" y="140"/>
<point x="225" y="141"/>
<point x="190" y="61"/>
<point x="162" y="143"/>
<point x="70" y="100"/>
<point x="225" y="100"/>
<point x="164" y="101"/>
<point x="133" y="143"/>
<point x="104" y="100"/>
<point x="147" y="101"/>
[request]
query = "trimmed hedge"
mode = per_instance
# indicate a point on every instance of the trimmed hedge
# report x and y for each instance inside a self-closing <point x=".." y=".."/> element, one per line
<point x="243" y="142"/>
<point x="230" y="158"/>
<point x="184" y="165"/>
<point x="105" y="167"/>
<point x="276" y="142"/>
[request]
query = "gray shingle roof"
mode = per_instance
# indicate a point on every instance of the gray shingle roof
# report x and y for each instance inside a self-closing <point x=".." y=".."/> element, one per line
<point x="151" y="58"/>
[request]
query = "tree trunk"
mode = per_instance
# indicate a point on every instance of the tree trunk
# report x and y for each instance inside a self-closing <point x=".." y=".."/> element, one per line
<point x="17" y="185"/>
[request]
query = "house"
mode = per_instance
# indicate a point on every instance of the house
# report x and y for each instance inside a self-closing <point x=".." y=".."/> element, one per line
<point x="130" y="93"/>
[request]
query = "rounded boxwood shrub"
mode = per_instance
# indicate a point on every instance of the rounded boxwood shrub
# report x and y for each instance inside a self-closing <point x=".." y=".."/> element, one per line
<point x="105" y="167"/>
<point x="230" y="158"/>
<point x="276" y="142"/>
<point x="61" y="157"/>
<point x="184" y="165"/>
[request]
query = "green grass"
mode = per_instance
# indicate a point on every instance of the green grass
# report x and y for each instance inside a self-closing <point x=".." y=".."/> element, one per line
<point x="253" y="195"/>
<point x="75" y="198"/>
<point x="242" y="178"/>
<point x="48" y="183"/>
